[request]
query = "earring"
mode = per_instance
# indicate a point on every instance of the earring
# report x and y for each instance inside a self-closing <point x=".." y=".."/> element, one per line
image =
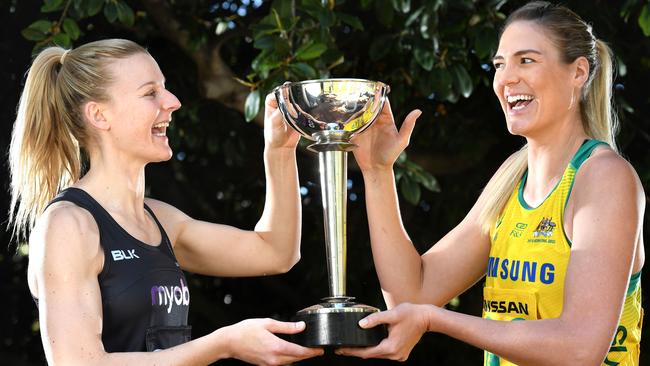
<point x="572" y="99"/>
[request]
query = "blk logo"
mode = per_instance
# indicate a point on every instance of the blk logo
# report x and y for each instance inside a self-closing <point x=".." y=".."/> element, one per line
<point x="119" y="255"/>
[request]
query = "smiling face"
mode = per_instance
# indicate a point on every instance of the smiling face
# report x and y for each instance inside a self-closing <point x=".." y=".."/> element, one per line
<point x="537" y="90"/>
<point x="140" y="109"/>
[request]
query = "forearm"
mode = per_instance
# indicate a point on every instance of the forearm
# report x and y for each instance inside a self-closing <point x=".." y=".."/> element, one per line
<point x="201" y="351"/>
<point x="398" y="264"/>
<point x="280" y="223"/>
<point x="535" y="342"/>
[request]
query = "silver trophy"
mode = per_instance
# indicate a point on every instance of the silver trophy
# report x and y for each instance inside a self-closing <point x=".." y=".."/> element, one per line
<point x="330" y="112"/>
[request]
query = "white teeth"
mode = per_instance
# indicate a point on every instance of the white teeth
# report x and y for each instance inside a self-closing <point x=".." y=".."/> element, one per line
<point x="161" y="124"/>
<point x="515" y="98"/>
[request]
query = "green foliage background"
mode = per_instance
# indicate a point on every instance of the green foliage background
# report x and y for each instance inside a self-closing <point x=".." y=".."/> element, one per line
<point x="221" y="57"/>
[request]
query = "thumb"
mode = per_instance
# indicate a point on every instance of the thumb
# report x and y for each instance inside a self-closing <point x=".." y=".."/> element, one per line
<point x="286" y="327"/>
<point x="373" y="320"/>
<point x="409" y="124"/>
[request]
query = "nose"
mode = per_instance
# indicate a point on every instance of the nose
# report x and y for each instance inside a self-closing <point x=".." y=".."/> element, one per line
<point x="171" y="103"/>
<point x="506" y="75"/>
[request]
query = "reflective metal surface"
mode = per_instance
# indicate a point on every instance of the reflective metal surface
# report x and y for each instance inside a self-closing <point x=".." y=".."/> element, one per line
<point x="331" y="110"/>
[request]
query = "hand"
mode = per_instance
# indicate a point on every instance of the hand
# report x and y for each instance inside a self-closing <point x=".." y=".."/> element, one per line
<point x="406" y="324"/>
<point x="253" y="341"/>
<point x="381" y="143"/>
<point x="277" y="133"/>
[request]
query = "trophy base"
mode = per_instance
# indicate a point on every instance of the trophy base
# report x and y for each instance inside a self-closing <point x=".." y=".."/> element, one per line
<point x="334" y="323"/>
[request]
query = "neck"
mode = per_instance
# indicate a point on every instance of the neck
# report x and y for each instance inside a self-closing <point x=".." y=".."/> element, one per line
<point x="117" y="185"/>
<point x="548" y="157"/>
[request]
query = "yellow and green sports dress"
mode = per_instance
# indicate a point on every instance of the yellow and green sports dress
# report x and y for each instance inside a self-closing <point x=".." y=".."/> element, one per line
<point x="528" y="262"/>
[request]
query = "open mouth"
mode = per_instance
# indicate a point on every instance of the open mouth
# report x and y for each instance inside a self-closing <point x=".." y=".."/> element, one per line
<point x="160" y="129"/>
<point x="519" y="101"/>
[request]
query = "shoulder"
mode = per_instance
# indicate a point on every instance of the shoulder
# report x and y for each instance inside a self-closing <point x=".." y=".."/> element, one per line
<point x="64" y="220"/>
<point x="607" y="176"/>
<point x="65" y="239"/>
<point x="170" y="217"/>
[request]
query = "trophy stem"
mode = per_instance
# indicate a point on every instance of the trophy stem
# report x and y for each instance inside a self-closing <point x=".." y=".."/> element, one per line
<point x="334" y="186"/>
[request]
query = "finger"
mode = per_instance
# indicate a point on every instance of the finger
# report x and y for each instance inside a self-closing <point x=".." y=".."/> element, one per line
<point x="363" y="352"/>
<point x="407" y="127"/>
<point x="304" y="354"/>
<point x="275" y="326"/>
<point x="296" y="352"/>
<point x="386" y="111"/>
<point x="270" y="100"/>
<point x="375" y="319"/>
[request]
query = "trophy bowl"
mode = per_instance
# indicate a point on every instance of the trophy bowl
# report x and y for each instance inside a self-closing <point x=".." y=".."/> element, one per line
<point x="330" y="112"/>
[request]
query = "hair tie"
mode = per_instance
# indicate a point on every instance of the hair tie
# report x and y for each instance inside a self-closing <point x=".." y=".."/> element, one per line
<point x="63" y="56"/>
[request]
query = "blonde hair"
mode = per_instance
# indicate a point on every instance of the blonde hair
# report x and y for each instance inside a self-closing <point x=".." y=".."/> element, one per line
<point x="49" y="131"/>
<point x="574" y="39"/>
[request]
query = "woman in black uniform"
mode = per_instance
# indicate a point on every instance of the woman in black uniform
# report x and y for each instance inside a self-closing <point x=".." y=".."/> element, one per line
<point x="104" y="261"/>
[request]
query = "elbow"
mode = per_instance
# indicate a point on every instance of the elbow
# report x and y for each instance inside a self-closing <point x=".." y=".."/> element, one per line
<point x="587" y="354"/>
<point x="290" y="262"/>
<point x="584" y="349"/>
<point x="284" y="265"/>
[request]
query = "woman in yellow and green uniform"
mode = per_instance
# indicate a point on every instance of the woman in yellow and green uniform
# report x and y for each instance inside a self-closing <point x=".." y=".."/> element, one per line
<point x="557" y="232"/>
<point x="527" y="266"/>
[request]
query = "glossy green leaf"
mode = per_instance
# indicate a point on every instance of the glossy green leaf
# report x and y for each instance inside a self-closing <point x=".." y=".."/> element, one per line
<point x="94" y="7"/>
<point x="485" y="43"/>
<point x="71" y="28"/>
<point x="303" y="70"/>
<point x="62" y="40"/>
<point x="410" y="190"/>
<point x="125" y="14"/>
<point x="252" y="105"/>
<point x="428" y="181"/>
<point x="462" y="80"/>
<point x="52" y="5"/>
<point x="310" y="51"/>
<point x="644" y="20"/>
<point x="403" y="6"/>
<point x="264" y="42"/>
<point x="31" y="34"/>
<point x="110" y="11"/>
<point x="43" y="26"/>
<point x="424" y="58"/>
<point x="351" y="20"/>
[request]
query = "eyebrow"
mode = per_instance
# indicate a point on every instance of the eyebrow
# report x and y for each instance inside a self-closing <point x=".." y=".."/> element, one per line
<point x="150" y="83"/>
<point x="518" y="53"/>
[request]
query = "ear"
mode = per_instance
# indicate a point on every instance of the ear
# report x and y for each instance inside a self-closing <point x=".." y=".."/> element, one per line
<point x="581" y="71"/>
<point x="94" y="114"/>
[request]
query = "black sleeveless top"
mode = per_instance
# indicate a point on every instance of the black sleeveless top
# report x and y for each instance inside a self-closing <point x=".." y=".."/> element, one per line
<point x="145" y="297"/>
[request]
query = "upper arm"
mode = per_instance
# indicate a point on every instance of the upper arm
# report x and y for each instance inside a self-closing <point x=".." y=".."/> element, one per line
<point x="608" y="205"/>
<point x="456" y="261"/>
<point x="460" y="258"/>
<point x="215" y="249"/>
<point x="64" y="261"/>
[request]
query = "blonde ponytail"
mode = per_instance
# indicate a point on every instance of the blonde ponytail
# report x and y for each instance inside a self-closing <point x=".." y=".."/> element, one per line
<point x="49" y="131"/>
<point x="500" y="187"/>
<point x="598" y="115"/>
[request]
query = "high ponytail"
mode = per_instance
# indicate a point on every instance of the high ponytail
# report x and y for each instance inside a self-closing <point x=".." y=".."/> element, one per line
<point x="573" y="38"/>
<point x="598" y="115"/>
<point x="50" y="131"/>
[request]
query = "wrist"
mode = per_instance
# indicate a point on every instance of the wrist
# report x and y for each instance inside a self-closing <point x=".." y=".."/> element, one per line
<point x="432" y="313"/>
<point x="377" y="172"/>
<point x="222" y="343"/>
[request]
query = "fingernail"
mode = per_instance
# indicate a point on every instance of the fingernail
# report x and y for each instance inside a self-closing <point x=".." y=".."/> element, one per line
<point x="300" y="325"/>
<point x="363" y="322"/>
